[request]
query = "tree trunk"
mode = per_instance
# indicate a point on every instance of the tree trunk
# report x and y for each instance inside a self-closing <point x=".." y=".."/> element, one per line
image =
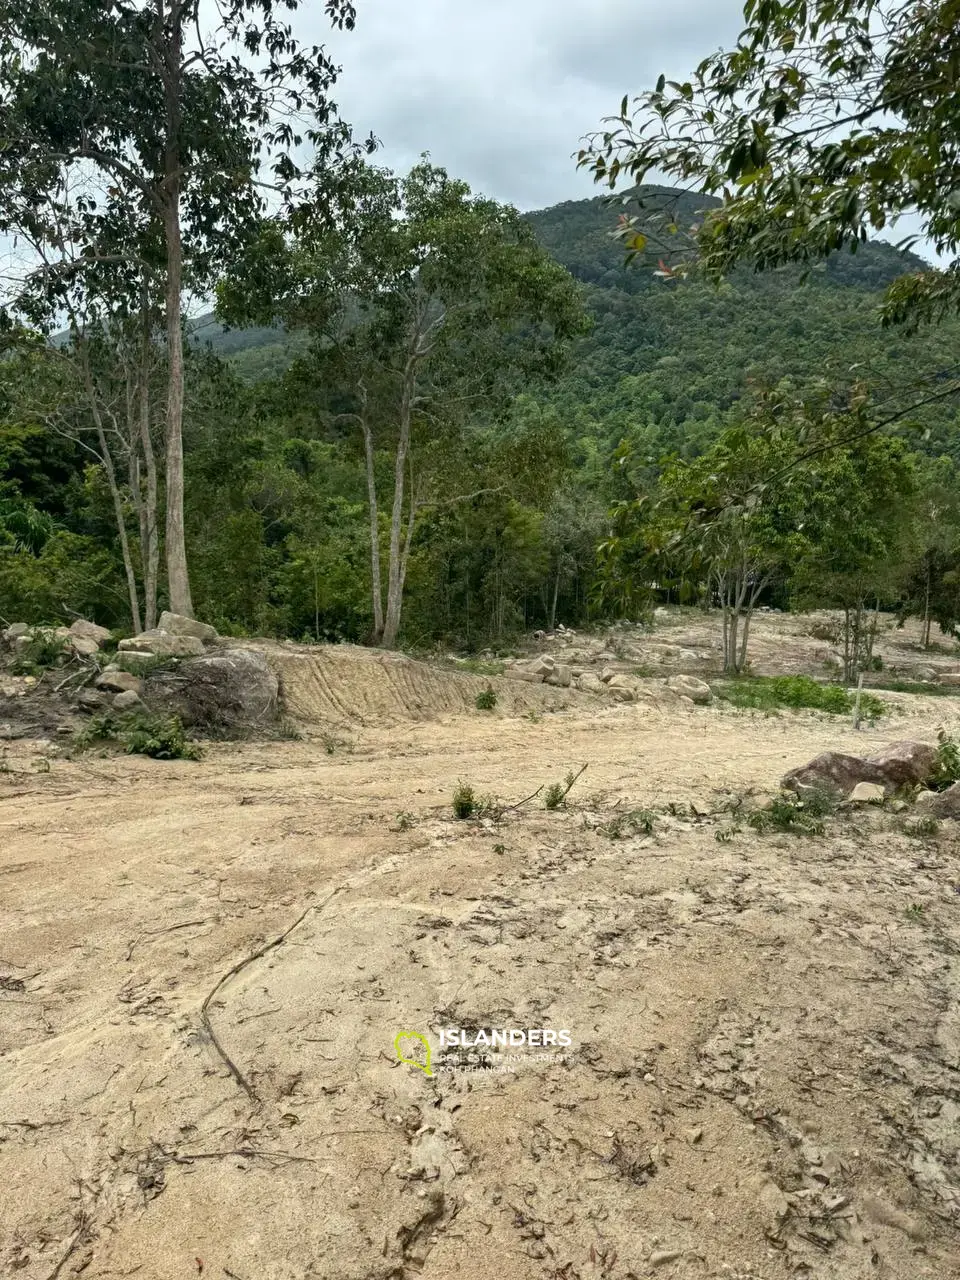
<point x="376" y="582"/>
<point x="556" y="597"/>
<point x="178" y="580"/>
<point x="151" y="531"/>
<point x="925" y="632"/>
<point x="391" y="626"/>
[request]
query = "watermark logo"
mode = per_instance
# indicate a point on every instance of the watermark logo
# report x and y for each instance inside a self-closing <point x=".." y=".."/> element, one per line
<point x="420" y="1040"/>
<point x="494" y="1049"/>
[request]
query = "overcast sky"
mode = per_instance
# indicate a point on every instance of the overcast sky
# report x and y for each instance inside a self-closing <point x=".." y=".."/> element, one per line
<point x="500" y="92"/>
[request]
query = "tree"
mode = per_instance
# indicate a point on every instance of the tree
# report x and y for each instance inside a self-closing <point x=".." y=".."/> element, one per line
<point x="140" y="148"/>
<point x="931" y="583"/>
<point x="429" y="308"/>
<point x="830" y="119"/>
<point x="726" y="521"/>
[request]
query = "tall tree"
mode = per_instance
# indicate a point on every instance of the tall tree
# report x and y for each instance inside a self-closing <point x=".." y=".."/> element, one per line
<point x="142" y="145"/>
<point x="430" y="308"/>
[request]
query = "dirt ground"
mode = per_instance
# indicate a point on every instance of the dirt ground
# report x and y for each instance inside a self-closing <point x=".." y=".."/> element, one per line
<point x="204" y="966"/>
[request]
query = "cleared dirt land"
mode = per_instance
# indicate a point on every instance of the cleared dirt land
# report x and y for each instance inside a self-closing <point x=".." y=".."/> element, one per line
<point x="764" y="1079"/>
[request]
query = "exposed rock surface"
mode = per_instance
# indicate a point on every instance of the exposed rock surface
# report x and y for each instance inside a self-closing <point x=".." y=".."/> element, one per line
<point x="230" y="690"/>
<point x="163" y="644"/>
<point x="82" y="629"/>
<point x="114" y="680"/>
<point x="901" y="764"/>
<point x="177" y="625"/>
<point x="690" y="687"/>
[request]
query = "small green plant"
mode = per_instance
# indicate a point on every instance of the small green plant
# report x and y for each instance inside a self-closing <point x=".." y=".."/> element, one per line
<point x="289" y="731"/>
<point x="787" y="813"/>
<point x="500" y="849"/>
<point x="534" y="716"/>
<point x="554" y="796"/>
<point x="405" y="821"/>
<point x="725" y="834"/>
<point x="140" y="733"/>
<point x="464" y="801"/>
<point x="621" y="826"/>
<point x="644" y="671"/>
<point x="767" y="693"/>
<point x="4" y="762"/>
<point x="481" y="667"/>
<point x="916" y="912"/>
<point x="143" y="664"/>
<point x="923" y="828"/>
<point x="486" y="699"/>
<point x="947" y="769"/>
<point x="43" y="650"/>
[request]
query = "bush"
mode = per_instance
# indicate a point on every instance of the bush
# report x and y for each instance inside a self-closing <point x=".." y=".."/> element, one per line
<point x="947" y="769"/>
<point x="486" y="700"/>
<point x="768" y="693"/>
<point x="140" y="733"/>
<point x="638" y="822"/>
<point x="45" y="649"/>
<point x="464" y="801"/>
<point x="554" y="795"/>
<point x="795" y="817"/>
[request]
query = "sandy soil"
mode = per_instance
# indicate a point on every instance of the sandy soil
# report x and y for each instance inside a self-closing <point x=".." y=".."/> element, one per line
<point x="764" y="1079"/>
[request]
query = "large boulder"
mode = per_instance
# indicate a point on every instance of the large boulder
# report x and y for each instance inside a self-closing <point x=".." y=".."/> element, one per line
<point x="14" y="631"/>
<point x="84" y="646"/>
<point x="690" y="687"/>
<point x="940" y="804"/>
<point x="899" y="765"/>
<point x="590" y="683"/>
<point x="904" y="764"/>
<point x="82" y="629"/>
<point x="561" y="676"/>
<point x="230" y="691"/>
<point x="114" y="680"/>
<point x="832" y="771"/>
<point x="163" y="644"/>
<point x="524" y="673"/>
<point x="177" y="625"/>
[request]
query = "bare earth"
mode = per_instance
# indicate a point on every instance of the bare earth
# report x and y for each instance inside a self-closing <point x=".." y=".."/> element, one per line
<point x="765" y="1073"/>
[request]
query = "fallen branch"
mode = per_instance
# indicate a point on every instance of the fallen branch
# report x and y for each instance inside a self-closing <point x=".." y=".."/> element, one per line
<point x="237" y="969"/>
<point x="573" y="782"/>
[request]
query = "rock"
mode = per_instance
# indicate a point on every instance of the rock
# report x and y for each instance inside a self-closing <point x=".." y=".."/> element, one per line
<point x="608" y="674"/>
<point x="945" y="804"/>
<point x="561" y="677"/>
<point x="950" y="678"/>
<point x="590" y="683"/>
<point x="623" y="688"/>
<point x="662" y="1256"/>
<point x="868" y="793"/>
<point x="89" y="631"/>
<point x="84" y="646"/>
<point x="834" y="771"/>
<point x="230" y="690"/>
<point x="177" y="625"/>
<point x="687" y="656"/>
<point x="139" y="661"/>
<point x="543" y="665"/>
<point x="91" y="699"/>
<point x="690" y="687"/>
<point x="163" y="644"/>
<point x="126" y="701"/>
<point x="524" y="673"/>
<point x="15" y="630"/>
<point x="116" y="681"/>
<point x="904" y="764"/>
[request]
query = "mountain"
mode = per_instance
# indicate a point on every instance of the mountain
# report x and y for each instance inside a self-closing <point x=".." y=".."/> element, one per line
<point x="667" y="359"/>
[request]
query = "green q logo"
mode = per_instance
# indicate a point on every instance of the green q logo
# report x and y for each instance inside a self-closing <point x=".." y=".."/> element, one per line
<point x="406" y="1058"/>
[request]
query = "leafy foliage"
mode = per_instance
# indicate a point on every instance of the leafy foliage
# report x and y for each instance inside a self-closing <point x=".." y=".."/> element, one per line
<point x="139" y="733"/>
<point x="768" y="693"/>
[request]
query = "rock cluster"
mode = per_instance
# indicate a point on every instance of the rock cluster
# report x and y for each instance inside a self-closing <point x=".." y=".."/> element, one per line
<point x="866" y="779"/>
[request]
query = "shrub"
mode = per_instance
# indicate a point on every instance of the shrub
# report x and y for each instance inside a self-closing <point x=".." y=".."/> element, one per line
<point x="140" y="733"/>
<point x="947" y="769"/>
<point x="638" y="822"/>
<point x="766" y="693"/>
<point x="486" y="699"/>
<point x="554" y="795"/>
<point x="44" y="649"/>
<point x="796" y="817"/>
<point x="464" y="801"/>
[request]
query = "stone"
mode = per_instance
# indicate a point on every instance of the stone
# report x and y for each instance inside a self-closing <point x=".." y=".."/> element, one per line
<point x="163" y="644"/>
<point x="697" y="691"/>
<point x="84" y="646"/>
<point x="868" y="793"/>
<point x="590" y="683"/>
<point x="90" y="631"/>
<point x="14" y="630"/>
<point x="543" y="665"/>
<point x="139" y="661"/>
<point x="608" y="674"/>
<point x="833" y="771"/>
<point x="91" y="699"/>
<point x="904" y="764"/>
<point x="177" y="625"/>
<point x="560" y="677"/>
<point x="127" y="700"/>
<point x="524" y="673"/>
<point x="116" y="681"/>
<point x="230" y="690"/>
<point x="946" y="804"/>
<point x="950" y="678"/>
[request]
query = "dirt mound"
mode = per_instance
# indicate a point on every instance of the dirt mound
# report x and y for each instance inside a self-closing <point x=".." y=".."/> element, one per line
<point x="344" y="685"/>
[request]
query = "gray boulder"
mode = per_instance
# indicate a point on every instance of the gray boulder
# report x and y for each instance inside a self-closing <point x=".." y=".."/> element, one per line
<point x="904" y="764"/>
<point x="899" y="765"/>
<point x="561" y="676"/>
<point x="163" y="644"/>
<point x="230" y="691"/>
<point x="126" y="701"/>
<point x="697" y="691"/>
<point x="84" y="646"/>
<point x="92" y="699"/>
<point x="82" y="629"/>
<point x="177" y="625"/>
<point x="113" y="680"/>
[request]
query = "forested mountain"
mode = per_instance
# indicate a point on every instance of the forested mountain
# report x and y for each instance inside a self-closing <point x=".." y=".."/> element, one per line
<point x="666" y="359"/>
<point x="513" y="502"/>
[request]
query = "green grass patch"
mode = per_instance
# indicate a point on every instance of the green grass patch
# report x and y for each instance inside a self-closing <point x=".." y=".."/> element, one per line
<point x="792" y="816"/>
<point x="480" y="667"/>
<point x="917" y="686"/>
<point x="771" y="693"/>
<point x="139" y="733"/>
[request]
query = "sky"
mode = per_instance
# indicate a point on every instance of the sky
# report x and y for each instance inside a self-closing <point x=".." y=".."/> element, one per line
<point x="500" y="92"/>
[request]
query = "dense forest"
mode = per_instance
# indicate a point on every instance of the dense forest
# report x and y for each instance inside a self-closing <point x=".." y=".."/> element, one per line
<point x="514" y="503"/>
